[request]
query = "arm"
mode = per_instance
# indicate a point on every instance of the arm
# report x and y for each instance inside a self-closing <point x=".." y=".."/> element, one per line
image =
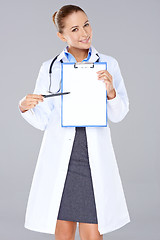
<point x="38" y="116"/>
<point x="118" y="106"/>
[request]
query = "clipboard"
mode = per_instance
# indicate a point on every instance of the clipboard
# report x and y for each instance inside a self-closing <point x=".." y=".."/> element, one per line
<point x="86" y="105"/>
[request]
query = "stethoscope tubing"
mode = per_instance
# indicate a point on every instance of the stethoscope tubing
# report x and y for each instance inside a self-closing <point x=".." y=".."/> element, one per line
<point x="50" y="72"/>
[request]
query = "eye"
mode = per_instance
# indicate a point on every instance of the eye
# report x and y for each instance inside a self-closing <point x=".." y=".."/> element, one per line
<point x="87" y="24"/>
<point x="74" y="29"/>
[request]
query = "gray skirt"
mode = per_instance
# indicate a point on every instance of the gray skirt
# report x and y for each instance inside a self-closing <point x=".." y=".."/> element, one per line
<point x="78" y="202"/>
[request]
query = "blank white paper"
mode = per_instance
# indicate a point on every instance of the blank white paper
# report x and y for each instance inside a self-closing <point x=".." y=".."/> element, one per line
<point x="86" y="104"/>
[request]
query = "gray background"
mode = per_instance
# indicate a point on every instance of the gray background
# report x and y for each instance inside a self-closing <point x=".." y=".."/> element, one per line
<point x="127" y="30"/>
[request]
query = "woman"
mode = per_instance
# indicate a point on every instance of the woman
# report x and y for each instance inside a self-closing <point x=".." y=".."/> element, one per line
<point x="76" y="178"/>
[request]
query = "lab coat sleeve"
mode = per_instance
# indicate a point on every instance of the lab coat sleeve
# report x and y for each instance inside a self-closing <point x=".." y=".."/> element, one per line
<point x="38" y="116"/>
<point x="118" y="107"/>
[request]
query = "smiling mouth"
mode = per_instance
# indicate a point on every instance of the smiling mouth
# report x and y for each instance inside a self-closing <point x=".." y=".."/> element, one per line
<point x="85" y="40"/>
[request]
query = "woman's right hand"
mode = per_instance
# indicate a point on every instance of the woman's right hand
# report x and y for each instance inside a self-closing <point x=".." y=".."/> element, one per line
<point x="30" y="101"/>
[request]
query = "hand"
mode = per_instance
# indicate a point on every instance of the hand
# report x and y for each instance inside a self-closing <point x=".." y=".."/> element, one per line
<point x="30" y="101"/>
<point x="107" y="79"/>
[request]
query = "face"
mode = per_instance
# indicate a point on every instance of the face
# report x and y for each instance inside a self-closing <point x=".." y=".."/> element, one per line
<point x="77" y="32"/>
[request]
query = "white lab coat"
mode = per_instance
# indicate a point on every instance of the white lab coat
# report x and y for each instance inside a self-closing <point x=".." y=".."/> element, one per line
<point x="52" y="164"/>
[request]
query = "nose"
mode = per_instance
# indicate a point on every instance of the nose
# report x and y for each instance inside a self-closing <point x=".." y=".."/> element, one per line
<point x="84" y="32"/>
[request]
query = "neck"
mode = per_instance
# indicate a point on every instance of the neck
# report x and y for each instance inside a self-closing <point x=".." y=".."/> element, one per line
<point x="79" y="54"/>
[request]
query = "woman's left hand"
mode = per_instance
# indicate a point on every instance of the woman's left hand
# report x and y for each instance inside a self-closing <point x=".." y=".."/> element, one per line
<point x="107" y="79"/>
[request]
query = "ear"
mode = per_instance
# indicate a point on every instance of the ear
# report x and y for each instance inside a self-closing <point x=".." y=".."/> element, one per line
<point x="61" y="37"/>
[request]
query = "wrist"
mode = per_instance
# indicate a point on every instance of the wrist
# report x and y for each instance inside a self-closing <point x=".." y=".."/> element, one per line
<point x="112" y="94"/>
<point x="22" y="109"/>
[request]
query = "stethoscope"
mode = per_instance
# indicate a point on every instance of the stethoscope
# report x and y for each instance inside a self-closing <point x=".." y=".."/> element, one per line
<point x="50" y="77"/>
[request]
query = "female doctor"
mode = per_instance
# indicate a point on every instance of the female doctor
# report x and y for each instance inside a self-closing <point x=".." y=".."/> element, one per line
<point x="76" y="177"/>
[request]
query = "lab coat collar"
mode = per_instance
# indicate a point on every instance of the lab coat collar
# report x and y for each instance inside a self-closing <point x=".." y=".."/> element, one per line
<point x="93" y="58"/>
<point x="70" y="56"/>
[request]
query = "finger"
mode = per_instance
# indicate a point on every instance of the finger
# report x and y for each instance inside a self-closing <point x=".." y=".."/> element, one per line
<point x="104" y="72"/>
<point x="35" y="96"/>
<point x="29" y="102"/>
<point x="33" y="100"/>
<point x="105" y="76"/>
<point x="107" y="82"/>
<point x="100" y="73"/>
<point x="38" y="96"/>
<point x="31" y="105"/>
<point x="28" y="106"/>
